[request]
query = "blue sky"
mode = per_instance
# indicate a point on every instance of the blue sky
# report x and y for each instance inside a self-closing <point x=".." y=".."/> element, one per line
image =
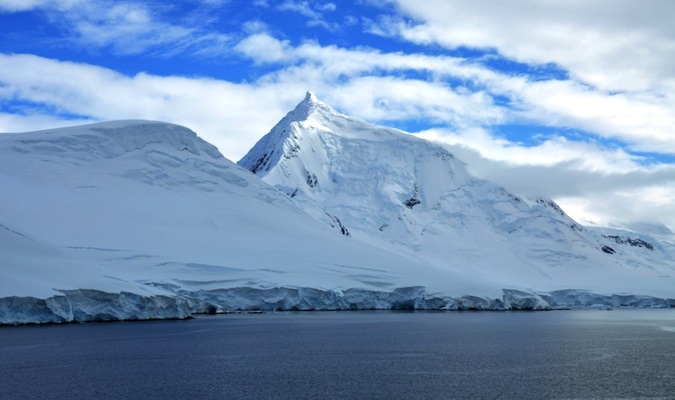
<point x="575" y="100"/>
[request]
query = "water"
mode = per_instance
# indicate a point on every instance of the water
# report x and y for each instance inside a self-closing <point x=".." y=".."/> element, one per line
<point x="622" y="354"/>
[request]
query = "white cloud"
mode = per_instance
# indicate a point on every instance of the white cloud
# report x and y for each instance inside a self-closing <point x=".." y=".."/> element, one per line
<point x="36" y="121"/>
<point x="642" y="120"/>
<point x="556" y="150"/>
<point x="215" y="2"/>
<point x="351" y="20"/>
<point x="314" y="14"/>
<point x="622" y="45"/>
<point x="21" y="5"/>
<point x="639" y="205"/>
<point x="368" y="84"/>
<point x="593" y="184"/>
<point x="378" y="98"/>
<point x="620" y="57"/>
<point x="326" y="7"/>
<point x="127" y="28"/>
<point x="263" y="48"/>
<point x="124" y="27"/>
<point x="231" y="116"/>
<point x="301" y="7"/>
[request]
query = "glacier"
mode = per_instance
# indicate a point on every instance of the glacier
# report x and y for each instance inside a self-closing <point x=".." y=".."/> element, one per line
<point x="137" y="220"/>
<point x="94" y="305"/>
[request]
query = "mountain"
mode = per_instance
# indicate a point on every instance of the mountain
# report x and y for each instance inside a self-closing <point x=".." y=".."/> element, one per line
<point x="141" y="220"/>
<point x="398" y="192"/>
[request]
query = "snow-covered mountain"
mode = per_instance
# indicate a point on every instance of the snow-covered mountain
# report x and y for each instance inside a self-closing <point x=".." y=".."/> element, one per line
<point x="396" y="191"/>
<point x="139" y="219"/>
<point x="151" y="211"/>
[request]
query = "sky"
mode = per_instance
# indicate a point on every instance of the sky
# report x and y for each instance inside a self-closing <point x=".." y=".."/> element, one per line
<point x="571" y="99"/>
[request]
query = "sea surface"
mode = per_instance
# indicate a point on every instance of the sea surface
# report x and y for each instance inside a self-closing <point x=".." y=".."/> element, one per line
<point x="593" y="354"/>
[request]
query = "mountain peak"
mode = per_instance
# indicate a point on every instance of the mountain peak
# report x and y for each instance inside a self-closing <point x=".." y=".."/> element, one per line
<point x="307" y="107"/>
<point x="310" y="97"/>
<point x="282" y="140"/>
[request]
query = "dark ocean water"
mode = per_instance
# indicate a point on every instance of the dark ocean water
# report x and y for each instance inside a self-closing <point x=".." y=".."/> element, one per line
<point x="621" y="354"/>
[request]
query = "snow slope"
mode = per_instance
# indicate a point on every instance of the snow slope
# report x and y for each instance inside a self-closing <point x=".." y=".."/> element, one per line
<point x="396" y="191"/>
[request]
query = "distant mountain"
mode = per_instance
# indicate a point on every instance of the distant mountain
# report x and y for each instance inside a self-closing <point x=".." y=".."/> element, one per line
<point x="140" y="220"/>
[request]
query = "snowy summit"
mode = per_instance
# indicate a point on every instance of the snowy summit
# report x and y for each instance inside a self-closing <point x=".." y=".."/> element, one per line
<point x="140" y="219"/>
<point x="398" y="192"/>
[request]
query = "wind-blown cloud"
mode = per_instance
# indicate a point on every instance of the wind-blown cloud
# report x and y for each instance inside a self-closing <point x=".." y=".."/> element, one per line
<point x="123" y="27"/>
<point x="622" y="45"/>
<point x="21" y="5"/>
<point x="374" y="85"/>
<point x="620" y="57"/>
<point x="642" y="120"/>
<point x="314" y="14"/>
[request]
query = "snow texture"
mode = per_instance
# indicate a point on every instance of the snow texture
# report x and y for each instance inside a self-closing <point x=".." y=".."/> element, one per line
<point x="143" y="220"/>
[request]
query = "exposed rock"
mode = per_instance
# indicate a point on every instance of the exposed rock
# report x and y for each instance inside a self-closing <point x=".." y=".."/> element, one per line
<point x="630" y="241"/>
